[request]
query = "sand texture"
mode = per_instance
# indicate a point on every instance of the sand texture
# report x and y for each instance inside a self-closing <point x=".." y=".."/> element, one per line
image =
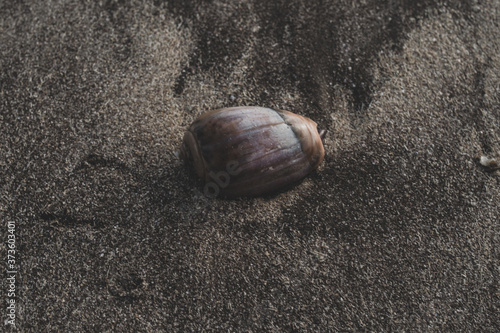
<point x="398" y="230"/>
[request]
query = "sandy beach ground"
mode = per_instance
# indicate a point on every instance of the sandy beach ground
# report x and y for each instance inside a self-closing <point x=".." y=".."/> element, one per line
<point x="398" y="230"/>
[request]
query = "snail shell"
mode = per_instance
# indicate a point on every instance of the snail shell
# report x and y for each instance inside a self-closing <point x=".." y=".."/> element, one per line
<point x="249" y="151"/>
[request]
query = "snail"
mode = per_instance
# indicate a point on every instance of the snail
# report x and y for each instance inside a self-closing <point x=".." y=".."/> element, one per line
<point x="250" y="151"/>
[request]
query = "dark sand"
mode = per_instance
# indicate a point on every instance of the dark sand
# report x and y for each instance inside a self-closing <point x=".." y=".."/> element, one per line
<point x="398" y="231"/>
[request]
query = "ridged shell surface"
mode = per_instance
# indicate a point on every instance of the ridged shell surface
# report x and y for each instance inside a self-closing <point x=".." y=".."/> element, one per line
<point x="253" y="150"/>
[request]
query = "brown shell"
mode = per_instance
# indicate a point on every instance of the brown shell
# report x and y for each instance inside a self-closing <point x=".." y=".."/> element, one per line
<point x="249" y="151"/>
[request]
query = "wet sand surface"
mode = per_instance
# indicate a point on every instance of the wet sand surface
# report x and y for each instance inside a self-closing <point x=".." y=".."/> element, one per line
<point x="398" y="230"/>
